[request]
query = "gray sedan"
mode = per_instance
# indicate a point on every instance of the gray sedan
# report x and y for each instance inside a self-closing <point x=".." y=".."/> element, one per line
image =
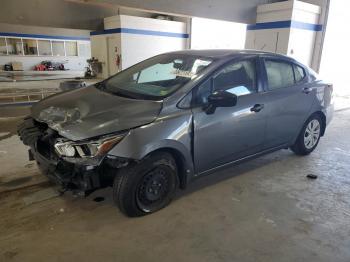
<point x="160" y="124"/>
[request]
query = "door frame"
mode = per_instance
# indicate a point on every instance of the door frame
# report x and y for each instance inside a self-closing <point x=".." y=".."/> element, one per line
<point x="263" y="71"/>
<point x="258" y="73"/>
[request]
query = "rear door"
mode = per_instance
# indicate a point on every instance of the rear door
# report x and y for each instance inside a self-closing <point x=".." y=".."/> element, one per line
<point x="231" y="132"/>
<point x="289" y="100"/>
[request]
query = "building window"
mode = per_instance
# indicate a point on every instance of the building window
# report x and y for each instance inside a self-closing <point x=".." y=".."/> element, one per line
<point x="71" y="48"/>
<point x="44" y="47"/>
<point x="3" y="48"/>
<point x="30" y="47"/>
<point x="84" y="49"/>
<point x="14" y="46"/>
<point x="58" y="48"/>
<point x="39" y="47"/>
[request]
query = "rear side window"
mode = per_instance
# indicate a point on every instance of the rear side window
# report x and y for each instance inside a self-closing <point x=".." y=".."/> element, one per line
<point x="279" y="74"/>
<point x="299" y="73"/>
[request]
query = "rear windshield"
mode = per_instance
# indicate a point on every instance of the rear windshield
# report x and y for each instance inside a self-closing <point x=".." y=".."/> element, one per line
<point x="157" y="77"/>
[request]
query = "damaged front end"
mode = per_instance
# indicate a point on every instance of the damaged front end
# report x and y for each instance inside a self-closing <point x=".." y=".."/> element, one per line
<point x="78" y="166"/>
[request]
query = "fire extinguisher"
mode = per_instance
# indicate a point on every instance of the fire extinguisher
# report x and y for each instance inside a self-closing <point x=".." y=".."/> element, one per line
<point x="117" y="59"/>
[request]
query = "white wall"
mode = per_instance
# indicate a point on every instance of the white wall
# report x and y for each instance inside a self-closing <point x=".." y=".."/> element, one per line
<point x="216" y="34"/>
<point x="269" y="40"/>
<point x="317" y="55"/>
<point x="138" y="45"/>
<point x="133" y="53"/>
<point x="99" y="50"/>
<point x="303" y="44"/>
<point x="287" y="38"/>
<point x="335" y="55"/>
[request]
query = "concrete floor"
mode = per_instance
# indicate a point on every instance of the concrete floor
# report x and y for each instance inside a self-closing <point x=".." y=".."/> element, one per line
<point x="262" y="210"/>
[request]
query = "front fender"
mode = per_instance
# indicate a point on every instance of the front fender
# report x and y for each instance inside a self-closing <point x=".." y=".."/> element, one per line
<point x="171" y="132"/>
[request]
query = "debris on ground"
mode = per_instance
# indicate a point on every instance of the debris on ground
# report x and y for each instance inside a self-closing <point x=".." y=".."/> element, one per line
<point x="311" y="176"/>
<point x="99" y="199"/>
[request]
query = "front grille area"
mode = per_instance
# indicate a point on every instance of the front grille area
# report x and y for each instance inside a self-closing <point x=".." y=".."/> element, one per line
<point x="46" y="144"/>
<point x="39" y="136"/>
<point x="44" y="148"/>
<point x="30" y="131"/>
<point x="70" y="175"/>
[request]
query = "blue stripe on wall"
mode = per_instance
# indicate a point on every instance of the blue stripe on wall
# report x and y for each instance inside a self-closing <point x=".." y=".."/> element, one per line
<point x="285" y="24"/>
<point x="307" y="26"/>
<point x="45" y="36"/>
<point x="139" y="32"/>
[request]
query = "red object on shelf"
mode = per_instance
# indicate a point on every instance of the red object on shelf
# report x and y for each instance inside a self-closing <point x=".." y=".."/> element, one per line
<point x="40" y="68"/>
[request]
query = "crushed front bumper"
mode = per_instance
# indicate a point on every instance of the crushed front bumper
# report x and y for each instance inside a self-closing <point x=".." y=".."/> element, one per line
<point x="80" y="175"/>
<point x="82" y="178"/>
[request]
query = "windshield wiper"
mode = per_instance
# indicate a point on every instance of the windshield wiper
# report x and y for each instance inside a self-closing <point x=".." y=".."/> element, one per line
<point x="101" y="85"/>
<point x="122" y="94"/>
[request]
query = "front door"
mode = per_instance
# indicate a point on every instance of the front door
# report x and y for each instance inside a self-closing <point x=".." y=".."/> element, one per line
<point x="230" y="133"/>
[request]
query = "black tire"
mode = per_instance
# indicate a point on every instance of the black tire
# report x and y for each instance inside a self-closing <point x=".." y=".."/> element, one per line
<point x="299" y="148"/>
<point x="146" y="187"/>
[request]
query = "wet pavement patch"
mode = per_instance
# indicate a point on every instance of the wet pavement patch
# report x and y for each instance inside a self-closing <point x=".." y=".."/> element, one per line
<point x="99" y="199"/>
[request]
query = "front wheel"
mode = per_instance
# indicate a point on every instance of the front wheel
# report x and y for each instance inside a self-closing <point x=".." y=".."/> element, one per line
<point x="309" y="136"/>
<point x="146" y="187"/>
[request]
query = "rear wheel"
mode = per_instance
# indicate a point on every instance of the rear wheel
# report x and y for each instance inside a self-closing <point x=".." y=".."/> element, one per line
<point x="309" y="136"/>
<point x="146" y="187"/>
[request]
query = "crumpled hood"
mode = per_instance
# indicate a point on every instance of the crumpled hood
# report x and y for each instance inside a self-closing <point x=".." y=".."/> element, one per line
<point x="89" y="112"/>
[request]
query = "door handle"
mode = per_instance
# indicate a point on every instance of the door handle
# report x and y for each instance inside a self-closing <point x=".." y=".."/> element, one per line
<point x="307" y="90"/>
<point x="257" y="108"/>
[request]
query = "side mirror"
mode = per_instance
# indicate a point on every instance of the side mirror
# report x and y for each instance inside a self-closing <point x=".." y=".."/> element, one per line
<point x="220" y="99"/>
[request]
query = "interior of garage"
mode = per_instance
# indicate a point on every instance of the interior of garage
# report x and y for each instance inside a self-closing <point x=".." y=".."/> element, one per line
<point x="266" y="209"/>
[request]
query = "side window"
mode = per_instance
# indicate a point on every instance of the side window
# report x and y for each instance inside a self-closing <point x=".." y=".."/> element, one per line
<point x="279" y="74"/>
<point x="202" y="93"/>
<point x="299" y="73"/>
<point x="237" y="78"/>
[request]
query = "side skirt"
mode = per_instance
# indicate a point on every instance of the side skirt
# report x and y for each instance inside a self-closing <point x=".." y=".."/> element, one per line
<point x="238" y="161"/>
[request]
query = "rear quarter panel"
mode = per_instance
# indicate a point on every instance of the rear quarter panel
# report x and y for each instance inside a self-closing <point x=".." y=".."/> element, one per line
<point x="324" y="101"/>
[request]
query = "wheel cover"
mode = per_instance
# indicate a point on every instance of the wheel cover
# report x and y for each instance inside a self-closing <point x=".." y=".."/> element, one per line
<point x="153" y="189"/>
<point x="312" y="133"/>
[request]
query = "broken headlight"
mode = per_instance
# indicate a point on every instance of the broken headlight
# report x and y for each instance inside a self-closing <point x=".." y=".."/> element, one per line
<point x="87" y="149"/>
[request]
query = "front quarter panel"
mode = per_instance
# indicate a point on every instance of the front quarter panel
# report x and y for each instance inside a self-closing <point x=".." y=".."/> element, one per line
<point x="171" y="132"/>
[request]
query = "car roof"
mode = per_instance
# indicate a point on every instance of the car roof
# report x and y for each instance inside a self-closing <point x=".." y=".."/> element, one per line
<point x="225" y="53"/>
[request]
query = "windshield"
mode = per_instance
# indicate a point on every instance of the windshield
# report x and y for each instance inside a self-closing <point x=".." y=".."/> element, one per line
<point x="157" y="77"/>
